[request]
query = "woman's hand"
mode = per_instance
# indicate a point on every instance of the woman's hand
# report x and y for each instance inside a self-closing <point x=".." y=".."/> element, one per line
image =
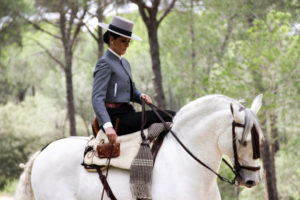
<point x="111" y="135"/>
<point x="146" y="98"/>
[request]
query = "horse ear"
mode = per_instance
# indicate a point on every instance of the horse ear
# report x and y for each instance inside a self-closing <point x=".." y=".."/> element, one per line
<point x="236" y="115"/>
<point x="256" y="104"/>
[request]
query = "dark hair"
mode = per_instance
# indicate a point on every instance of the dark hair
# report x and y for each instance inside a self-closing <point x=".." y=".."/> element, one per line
<point x="107" y="35"/>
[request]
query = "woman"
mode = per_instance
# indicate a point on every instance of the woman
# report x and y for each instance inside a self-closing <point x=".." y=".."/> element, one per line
<point x="113" y="86"/>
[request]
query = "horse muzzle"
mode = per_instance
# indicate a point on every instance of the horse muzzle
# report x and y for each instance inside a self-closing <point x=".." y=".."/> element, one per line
<point x="249" y="178"/>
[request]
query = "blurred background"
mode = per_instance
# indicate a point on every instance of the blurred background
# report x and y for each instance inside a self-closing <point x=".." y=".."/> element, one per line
<point x="190" y="48"/>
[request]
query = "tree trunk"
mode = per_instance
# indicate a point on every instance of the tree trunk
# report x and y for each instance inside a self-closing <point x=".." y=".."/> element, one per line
<point x="236" y="192"/>
<point x="149" y="16"/>
<point x="156" y="68"/>
<point x="267" y="148"/>
<point x="21" y="92"/>
<point x="268" y="159"/>
<point x="193" y="45"/>
<point x="100" y="32"/>
<point x="33" y="90"/>
<point x="70" y="96"/>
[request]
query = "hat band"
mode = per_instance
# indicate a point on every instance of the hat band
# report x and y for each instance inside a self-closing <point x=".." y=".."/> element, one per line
<point x="119" y="30"/>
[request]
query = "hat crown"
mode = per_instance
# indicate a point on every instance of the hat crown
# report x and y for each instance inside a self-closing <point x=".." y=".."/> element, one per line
<point x="120" y="26"/>
<point x="122" y="23"/>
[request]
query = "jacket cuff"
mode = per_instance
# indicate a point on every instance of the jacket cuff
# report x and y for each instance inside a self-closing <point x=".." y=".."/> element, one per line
<point x="107" y="125"/>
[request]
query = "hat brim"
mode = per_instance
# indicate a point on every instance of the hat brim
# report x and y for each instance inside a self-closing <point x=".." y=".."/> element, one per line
<point x="106" y="26"/>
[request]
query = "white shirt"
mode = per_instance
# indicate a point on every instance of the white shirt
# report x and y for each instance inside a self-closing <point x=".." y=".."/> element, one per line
<point x="115" y="53"/>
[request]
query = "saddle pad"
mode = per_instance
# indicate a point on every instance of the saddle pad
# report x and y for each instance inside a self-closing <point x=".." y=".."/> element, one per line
<point x="129" y="146"/>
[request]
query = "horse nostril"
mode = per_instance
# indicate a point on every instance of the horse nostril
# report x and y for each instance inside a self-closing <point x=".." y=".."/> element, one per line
<point x="250" y="183"/>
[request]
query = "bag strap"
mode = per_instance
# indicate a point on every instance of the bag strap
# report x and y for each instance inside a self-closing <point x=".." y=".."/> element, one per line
<point x="103" y="178"/>
<point x="105" y="185"/>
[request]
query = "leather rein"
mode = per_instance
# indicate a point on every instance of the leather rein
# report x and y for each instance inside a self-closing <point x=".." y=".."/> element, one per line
<point x="237" y="166"/>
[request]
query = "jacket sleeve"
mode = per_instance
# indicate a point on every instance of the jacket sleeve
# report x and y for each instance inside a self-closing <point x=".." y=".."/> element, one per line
<point x="136" y="94"/>
<point x="102" y="76"/>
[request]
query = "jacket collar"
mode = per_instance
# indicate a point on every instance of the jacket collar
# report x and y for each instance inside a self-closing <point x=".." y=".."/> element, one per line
<point x="111" y="53"/>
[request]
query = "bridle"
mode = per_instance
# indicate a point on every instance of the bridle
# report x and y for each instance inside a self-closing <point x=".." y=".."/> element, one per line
<point x="237" y="166"/>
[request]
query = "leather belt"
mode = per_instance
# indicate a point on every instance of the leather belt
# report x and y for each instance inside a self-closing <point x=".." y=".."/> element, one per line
<point x="114" y="105"/>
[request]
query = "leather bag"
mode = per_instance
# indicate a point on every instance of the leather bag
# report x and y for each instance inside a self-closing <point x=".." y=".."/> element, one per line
<point x="108" y="150"/>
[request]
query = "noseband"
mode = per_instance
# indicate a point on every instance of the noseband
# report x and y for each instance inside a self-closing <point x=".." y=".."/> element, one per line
<point x="237" y="166"/>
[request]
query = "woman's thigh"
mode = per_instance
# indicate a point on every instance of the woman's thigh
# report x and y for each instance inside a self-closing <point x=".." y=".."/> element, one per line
<point x="131" y="122"/>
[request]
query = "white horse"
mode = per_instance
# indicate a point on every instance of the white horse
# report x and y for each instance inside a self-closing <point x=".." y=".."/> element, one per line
<point x="204" y="126"/>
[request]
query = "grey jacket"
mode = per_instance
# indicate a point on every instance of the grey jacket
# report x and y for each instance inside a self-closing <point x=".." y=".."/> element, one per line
<point x="112" y="83"/>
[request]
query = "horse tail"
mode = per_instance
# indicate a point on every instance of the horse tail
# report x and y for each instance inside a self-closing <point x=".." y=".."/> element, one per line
<point x="24" y="189"/>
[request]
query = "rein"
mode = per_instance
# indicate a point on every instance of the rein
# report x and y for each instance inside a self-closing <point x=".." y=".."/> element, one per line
<point x="237" y="166"/>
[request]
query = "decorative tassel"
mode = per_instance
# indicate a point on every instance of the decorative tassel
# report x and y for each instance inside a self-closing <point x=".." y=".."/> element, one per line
<point x="141" y="172"/>
<point x="142" y="166"/>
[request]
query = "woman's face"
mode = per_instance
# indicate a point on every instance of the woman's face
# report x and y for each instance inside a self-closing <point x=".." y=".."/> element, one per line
<point x="119" y="45"/>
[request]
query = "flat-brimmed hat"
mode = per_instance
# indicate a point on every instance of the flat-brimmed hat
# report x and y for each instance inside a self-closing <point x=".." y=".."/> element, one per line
<point x="121" y="26"/>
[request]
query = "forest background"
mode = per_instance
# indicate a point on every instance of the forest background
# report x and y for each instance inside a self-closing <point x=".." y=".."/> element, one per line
<point x="48" y="51"/>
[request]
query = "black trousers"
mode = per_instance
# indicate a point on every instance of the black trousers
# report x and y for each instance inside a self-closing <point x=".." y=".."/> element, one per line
<point x="129" y="120"/>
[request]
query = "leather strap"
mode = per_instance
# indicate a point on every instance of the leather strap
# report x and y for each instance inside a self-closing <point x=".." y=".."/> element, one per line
<point x="105" y="185"/>
<point x="103" y="178"/>
<point x="186" y="149"/>
<point x="237" y="165"/>
<point x="144" y="120"/>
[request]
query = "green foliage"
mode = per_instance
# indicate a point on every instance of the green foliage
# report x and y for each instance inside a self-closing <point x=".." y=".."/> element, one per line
<point x="11" y="24"/>
<point x="24" y="129"/>
<point x="267" y="63"/>
<point x="259" y="56"/>
<point x="289" y="174"/>
<point x="226" y="190"/>
<point x="10" y="188"/>
<point x="190" y="53"/>
<point x="15" y="149"/>
<point x="17" y="140"/>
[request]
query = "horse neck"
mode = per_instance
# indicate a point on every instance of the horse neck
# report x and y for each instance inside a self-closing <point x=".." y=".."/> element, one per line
<point x="199" y="133"/>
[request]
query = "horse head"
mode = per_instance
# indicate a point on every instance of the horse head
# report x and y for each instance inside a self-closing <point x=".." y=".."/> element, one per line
<point x="242" y="147"/>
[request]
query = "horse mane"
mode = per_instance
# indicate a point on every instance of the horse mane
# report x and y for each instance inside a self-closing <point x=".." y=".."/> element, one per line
<point x="205" y="105"/>
<point x="214" y="103"/>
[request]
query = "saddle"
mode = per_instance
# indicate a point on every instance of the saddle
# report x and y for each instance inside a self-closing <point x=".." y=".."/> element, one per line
<point x="127" y="149"/>
<point x="156" y="136"/>
<point x="95" y="126"/>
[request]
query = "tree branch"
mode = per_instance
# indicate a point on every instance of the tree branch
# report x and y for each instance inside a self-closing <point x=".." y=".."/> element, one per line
<point x="79" y="25"/>
<point x="167" y="11"/>
<point x="49" y="22"/>
<point x="37" y="27"/>
<point x="92" y="34"/>
<point x="228" y="33"/>
<point x="62" y="66"/>
<point x="142" y="6"/>
<point x="73" y="14"/>
<point x="62" y="22"/>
